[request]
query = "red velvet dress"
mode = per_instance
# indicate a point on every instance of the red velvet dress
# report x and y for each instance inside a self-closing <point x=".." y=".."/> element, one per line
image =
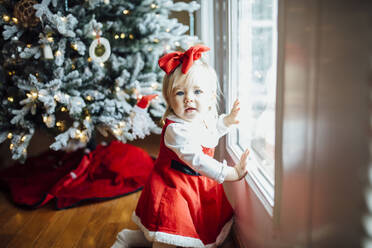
<point x="179" y="206"/>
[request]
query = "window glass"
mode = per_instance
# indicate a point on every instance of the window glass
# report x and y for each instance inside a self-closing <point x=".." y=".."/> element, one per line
<point x="254" y="36"/>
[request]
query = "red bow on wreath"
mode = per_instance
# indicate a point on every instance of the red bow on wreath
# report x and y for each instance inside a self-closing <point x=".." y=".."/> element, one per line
<point x="170" y="61"/>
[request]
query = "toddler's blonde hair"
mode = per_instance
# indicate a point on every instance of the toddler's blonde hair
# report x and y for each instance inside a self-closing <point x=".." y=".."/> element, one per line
<point x="198" y="71"/>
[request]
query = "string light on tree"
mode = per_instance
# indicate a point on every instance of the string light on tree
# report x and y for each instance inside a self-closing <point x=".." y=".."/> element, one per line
<point x="33" y="95"/>
<point x="81" y="136"/>
<point x="15" y="20"/>
<point x="6" y="18"/>
<point x="78" y="134"/>
<point x="61" y="125"/>
<point x="74" y="46"/>
<point x="48" y="120"/>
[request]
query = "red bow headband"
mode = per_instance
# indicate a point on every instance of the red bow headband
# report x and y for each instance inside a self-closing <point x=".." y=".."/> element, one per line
<point x="170" y="61"/>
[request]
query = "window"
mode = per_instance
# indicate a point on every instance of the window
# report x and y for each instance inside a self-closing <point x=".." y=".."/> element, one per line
<point x="252" y="79"/>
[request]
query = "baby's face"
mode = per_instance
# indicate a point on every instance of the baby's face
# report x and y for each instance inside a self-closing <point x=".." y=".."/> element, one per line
<point x="190" y="100"/>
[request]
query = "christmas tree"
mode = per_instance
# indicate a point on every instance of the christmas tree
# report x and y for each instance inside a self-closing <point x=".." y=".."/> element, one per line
<point x="77" y="67"/>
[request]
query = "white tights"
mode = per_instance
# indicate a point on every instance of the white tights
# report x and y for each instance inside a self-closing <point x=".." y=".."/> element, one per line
<point x="135" y="238"/>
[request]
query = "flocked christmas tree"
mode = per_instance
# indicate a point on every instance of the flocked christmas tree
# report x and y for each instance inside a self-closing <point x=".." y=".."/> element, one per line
<point x="75" y="67"/>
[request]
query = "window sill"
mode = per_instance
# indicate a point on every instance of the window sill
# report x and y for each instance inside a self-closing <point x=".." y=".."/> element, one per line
<point x="259" y="183"/>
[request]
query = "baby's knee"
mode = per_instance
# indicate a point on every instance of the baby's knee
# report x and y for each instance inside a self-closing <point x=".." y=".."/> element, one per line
<point x="129" y="238"/>
<point x="162" y="245"/>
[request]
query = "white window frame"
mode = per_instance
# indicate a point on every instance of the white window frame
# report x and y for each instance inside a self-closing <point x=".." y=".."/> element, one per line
<point x="263" y="187"/>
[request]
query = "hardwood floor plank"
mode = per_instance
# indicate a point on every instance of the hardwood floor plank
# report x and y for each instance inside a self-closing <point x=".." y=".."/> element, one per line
<point x="75" y="228"/>
<point x="107" y="236"/>
<point x="7" y="210"/>
<point x="119" y="219"/>
<point x="91" y="232"/>
<point x="32" y="229"/>
<point x="125" y="209"/>
<point x="17" y="219"/>
<point x="49" y="236"/>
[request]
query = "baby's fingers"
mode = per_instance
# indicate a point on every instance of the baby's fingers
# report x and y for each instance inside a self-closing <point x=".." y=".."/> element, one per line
<point x="242" y="169"/>
<point x="236" y="105"/>
<point x="244" y="155"/>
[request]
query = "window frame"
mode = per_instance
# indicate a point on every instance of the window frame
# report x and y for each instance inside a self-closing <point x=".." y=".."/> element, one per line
<point x="266" y="190"/>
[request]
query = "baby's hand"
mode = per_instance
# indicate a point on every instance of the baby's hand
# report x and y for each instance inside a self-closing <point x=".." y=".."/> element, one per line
<point x="232" y="118"/>
<point x="239" y="171"/>
<point x="241" y="167"/>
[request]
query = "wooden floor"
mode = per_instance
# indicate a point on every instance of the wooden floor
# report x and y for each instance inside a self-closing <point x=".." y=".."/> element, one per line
<point x="91" y="225"/>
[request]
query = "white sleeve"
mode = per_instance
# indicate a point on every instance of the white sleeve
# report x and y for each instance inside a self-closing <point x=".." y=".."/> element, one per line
<point x="189" y="150"/>
<point x="222" y="129"/>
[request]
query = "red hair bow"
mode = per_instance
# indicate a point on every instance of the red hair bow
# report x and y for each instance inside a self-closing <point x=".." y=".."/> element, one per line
<point x="170" y="61"/>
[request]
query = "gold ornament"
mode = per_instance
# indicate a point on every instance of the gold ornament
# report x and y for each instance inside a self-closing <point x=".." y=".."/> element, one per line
<point x="25" y="13"/>
<point x="99" y="50"/>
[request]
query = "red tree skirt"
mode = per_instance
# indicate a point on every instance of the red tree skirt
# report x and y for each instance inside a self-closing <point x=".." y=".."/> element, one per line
<point x="72" y="178"/>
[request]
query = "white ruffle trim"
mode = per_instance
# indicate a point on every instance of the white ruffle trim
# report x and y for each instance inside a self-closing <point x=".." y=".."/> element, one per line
<point x="179" y="240"/>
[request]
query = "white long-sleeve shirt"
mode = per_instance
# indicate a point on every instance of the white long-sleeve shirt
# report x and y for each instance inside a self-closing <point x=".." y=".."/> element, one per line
<point x="186" y="140"/>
